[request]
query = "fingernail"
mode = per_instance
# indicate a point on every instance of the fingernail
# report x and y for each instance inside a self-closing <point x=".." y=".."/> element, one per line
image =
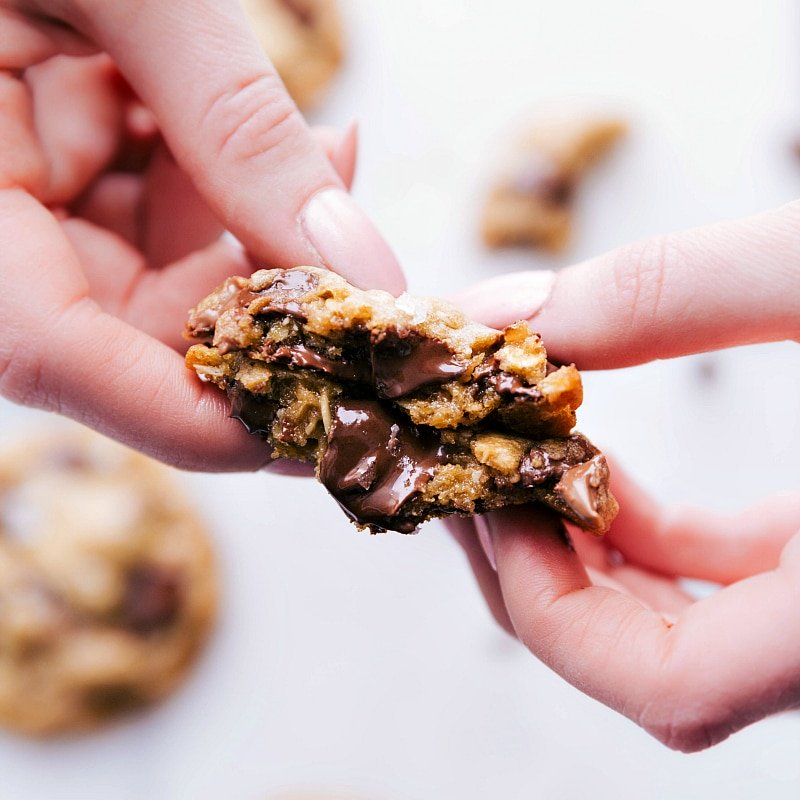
<point x="348" y="243"/>
<point x="508" y="298"/>
<point x="485" y="538"/>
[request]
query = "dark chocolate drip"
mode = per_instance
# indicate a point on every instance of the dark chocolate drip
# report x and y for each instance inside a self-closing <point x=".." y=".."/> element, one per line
<point x="152" y="598"/>
<point x="376" y="462"/>
<point x="253" y="411"/>
<point x="403" y="363"/>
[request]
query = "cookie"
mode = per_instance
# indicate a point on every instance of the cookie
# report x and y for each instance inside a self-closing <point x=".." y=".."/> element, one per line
<point x="304" y="41"/>
<point x="531" y="203"/>
<point x="407" y="410"/>
<point x="107" y="585"/>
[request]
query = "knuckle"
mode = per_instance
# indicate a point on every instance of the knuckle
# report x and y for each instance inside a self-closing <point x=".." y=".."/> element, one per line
<point x="22" y="373"/>
<point x="682" y="719"/>
<point x="684" y="732"/>
<point x="254" y="118"/>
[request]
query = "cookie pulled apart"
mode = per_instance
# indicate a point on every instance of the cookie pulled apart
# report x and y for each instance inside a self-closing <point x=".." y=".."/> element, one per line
<point x="407" y="410"/>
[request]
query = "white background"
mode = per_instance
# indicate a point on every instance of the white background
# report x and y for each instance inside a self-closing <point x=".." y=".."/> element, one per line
<point x="369" y="664"/>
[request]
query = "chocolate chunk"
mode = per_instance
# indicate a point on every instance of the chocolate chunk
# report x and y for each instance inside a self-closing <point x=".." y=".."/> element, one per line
<point x="535" y="468"/>
<point x="403" y="363"/>
<point x="254" y="412"/>
<point x="397" y="364"/>
<point x="109" y="700"/>
<point x="152" y="599"/>
<point x="375" y="462"/>
<point x="299" y="355"/>
<point x="285" y="293"/>
<point x="579" y="487"/>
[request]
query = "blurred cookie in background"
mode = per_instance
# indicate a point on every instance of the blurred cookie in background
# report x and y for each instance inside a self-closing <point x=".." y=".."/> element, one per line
<point x="531" y="202"/>
<point x="107" y="583"/>
<point x="304" y="40"/>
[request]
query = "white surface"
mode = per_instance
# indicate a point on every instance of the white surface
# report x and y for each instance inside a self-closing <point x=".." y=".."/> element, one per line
<point x="344" y="661"/>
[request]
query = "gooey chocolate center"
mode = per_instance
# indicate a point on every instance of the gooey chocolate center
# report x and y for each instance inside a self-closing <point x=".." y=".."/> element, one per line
<point x="375" y="462"/>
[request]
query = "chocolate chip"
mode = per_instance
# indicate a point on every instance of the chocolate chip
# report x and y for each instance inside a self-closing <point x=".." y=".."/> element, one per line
<point x="109" y="700"/>
<point x="152" y="599"/>
<point x="300" y="11"/>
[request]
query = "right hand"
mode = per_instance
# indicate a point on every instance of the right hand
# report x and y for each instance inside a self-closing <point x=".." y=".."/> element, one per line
<point x="610" y="615"/>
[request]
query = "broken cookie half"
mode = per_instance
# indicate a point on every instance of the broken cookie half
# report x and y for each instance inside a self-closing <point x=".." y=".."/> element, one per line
<point x="407" y="410"/>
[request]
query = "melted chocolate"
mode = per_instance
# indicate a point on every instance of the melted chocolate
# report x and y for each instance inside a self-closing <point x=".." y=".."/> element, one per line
<point x="401" y="364"/>
<point x="512" y="386"/>
<point x="536" y="468"/>
<point x="578" y="488"/>
<point x="253" y="411"/>
<point x="375" y="463"/>
<point x="504" y="383"/>
<point x="301" y="356"/>
<point x="285" y="292"/>
<point x="152" y="599"/>
<point x="203" y="322"/>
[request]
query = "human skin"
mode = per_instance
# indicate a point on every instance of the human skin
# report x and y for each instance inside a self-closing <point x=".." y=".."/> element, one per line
<point x="609" y="615"/>
<point x="114" y="192"/>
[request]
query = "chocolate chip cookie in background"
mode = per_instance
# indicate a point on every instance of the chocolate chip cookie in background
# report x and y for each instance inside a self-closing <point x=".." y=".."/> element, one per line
<point x="531" y="203"/>
<point x="303" y="39"/>
<point x="107" y="583"/>
<point x="408" y="410"/>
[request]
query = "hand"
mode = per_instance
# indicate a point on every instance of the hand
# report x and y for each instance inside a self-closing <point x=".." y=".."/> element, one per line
<point x="113" y="195"/>
<point x="609" y="615"/>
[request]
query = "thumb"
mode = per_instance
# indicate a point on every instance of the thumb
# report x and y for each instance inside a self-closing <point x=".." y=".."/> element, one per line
<point x="233" y="128"/>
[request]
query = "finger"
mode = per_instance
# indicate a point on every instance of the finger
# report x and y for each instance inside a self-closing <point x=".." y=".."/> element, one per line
<point x="463" y="531"/>
<point x="232" y="126"/>
<point x="115" y="200"/>
<point x="62" y="353"/>
<point x="112" y="202"/>
<point x="658" y="592"/>
<point x="695" y="543"/>
<point x="155" y="301"/>
<point x="174" y="220"/>
<point x="724" y="285"/>
<point x="78" y="121"/>
<point x="690" y="684"/>
<point x="341" y="149"/>
<point x="606" y="567"/>
<point x="27" y="40"/>
<point x="22" y="161"/>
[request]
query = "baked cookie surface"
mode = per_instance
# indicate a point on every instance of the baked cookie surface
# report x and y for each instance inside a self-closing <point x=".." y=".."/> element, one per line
<point x="107" y="585"/>
<point x="303" y="39"/>
<point x="408" y="410"/>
